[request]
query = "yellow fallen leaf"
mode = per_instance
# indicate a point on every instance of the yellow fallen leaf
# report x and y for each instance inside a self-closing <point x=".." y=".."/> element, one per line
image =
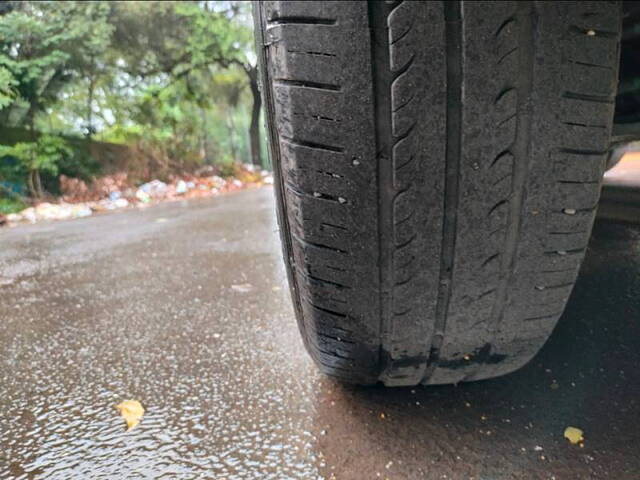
<point x="573" y="434"/>
<point x="132" y="412"/>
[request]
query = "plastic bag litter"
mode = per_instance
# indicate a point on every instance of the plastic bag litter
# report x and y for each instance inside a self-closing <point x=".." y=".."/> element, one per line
<point x="181" y="187"/>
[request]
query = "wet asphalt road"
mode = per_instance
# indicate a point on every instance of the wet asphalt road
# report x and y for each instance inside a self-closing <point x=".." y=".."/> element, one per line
<point x="184" y="307"/>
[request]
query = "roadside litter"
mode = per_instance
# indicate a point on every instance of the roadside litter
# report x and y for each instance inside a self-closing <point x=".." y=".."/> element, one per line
<point x="115" y="192"/>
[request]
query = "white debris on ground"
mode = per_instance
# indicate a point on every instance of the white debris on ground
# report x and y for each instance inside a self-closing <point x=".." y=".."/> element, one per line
<point x="51" y="211"/>
<point x="80" y="200"/>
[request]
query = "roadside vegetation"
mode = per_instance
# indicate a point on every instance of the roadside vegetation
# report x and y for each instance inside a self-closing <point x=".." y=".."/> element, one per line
<point x="154" y="90"/>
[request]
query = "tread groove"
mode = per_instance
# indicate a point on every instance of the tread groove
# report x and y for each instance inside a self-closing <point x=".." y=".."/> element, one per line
<point x="586" y="125"/>
<point x="300" y="20"/>
<point x="520" y="150"/>
<point x="332" y="225"/>
<point x="322" y="309"/>
<point x="582" y="151"/>
<point x="592" y="32"/>
<point x="541" y="317"/>
<point x="556" y="287"/>
<point x="319" y="54"/>
<point x="337" y="339"/>
<point x="588" y="97"/>
<point x="314" y="145"/>
<point x="289" y="82"/>
<point x="321" y="246"/>
<point x="453" y="149"/>
<point x="503" y="25"/>
<point x="314" y="196"/>
<point x="381" y="76"/>
<point x="594" y="65"/>
<point x="510" y="52"/>
<point x="315" y="278"/>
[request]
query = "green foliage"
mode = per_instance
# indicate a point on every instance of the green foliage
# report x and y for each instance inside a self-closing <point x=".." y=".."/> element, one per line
<point x="79" y="164"/>
<point x="149" y="37"/>
<point x="43" y="155"/>
<point x="11" y="205"/>
<point x="213" y="38"/>
<point x="43" y="46"/>
<point x="170" y="77"/>
<point x="7" y="87"/>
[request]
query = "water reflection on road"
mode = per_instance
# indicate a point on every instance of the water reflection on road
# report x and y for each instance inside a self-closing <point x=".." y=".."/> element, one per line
<point x="191" y="316"/>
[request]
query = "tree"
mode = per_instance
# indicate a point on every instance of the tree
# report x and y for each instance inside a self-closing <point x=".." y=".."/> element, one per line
<point x="87" y="56"/>
<point x="175" y="40"/>
<point x="8" y="84"/>
<point x="178" y="79"/>
<point x="42" y="155"/>
<point x="227" y="86"/>
<point x="43" y="46"/>
<point x="224" y="36"/>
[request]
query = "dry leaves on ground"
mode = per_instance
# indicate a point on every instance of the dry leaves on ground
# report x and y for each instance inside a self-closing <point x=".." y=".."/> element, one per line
<point x="573" y="434"/>
<point x="132" y="412"/>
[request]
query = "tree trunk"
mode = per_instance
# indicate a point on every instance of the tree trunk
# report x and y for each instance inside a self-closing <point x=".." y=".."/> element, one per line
<point x="31" y="185"/>
<point x="38" y="183"/>
<point x="231" y="128"/>
<point x="254" y="126"/>
<point x="204" y="153"/>
<point x="89" y="109"/>
<point x="92" y="85"/>
<point x="33" y="179"/>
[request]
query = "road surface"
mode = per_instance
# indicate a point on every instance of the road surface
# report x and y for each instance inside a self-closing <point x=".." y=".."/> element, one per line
<point x="184" y="307"/>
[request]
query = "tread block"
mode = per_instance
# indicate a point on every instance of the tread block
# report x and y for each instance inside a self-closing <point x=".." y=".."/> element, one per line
<point x="588" y="79"/>
<point x="299" y="11"/>
<point x="578" y="168"/>
<point x="576" y="196"/>
<point x="594" y="50"/>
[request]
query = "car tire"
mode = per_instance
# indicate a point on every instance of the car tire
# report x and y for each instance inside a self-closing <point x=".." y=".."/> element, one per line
<point x="437" y="171"/>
